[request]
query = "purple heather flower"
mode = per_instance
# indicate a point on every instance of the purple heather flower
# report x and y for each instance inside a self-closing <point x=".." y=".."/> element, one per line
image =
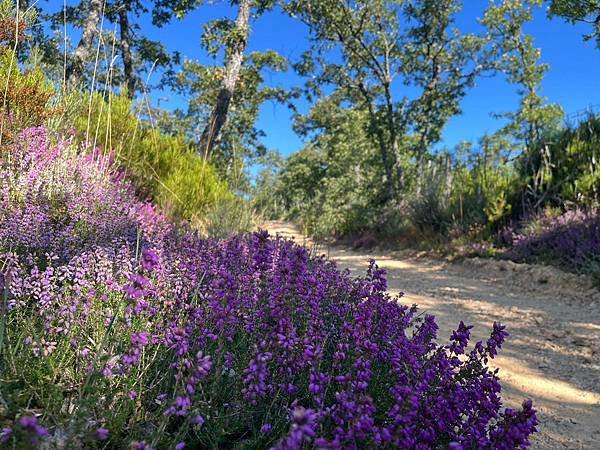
<point x="140" y="339"/>
<point x="5" y="435"/>
<point x="352" y="364"/>
<point x="149" y="260"/>
<point x="31" y="424"/>
<point x="102" y="434"/>
<point x="496" y="339"/>
<point x="198" y="420"/>
<point x="266" y="428"/>
<point x="460" y="338"/>
<point x="137" y="287"/>
<point x="180" y="446"/>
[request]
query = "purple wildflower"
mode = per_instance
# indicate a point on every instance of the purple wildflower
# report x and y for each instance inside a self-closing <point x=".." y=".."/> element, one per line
<point x="198" y="420"/>
<point x="240" y="327"/>
<point x="149" y="260"/>
<point x="102" y="434"/>
<point x="31" y="424"/>
<point x="5" y="435"/>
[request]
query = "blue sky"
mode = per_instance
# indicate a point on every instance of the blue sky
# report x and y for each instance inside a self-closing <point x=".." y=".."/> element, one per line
<point x="573" y="80"/>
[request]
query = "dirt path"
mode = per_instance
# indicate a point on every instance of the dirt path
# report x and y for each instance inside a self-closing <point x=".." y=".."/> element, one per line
<point x="553" y="352"/>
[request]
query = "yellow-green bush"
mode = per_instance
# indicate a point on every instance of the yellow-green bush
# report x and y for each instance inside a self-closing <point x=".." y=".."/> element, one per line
<point x="163" y="167"/>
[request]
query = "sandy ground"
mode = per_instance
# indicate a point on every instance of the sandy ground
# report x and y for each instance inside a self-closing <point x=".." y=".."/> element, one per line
<point x="553" y="352"/>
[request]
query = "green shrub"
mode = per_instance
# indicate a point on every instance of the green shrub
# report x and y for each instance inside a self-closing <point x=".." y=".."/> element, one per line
<point x="163" y="167"/>
<point x="24" y="97"/>
<point x="229" y="217"/>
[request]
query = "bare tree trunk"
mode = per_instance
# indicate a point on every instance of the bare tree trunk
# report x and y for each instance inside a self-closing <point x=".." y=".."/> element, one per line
<point x="233" y="66"/>
<point x="124" y="9"/>
<point x="449" y="177"/>
<point x="420" y="161"/>
<point x="398" y="180"/>
<point x="376" y="131"/>
<point x="84" y="48"/>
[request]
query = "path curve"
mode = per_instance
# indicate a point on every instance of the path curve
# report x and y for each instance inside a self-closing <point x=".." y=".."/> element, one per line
<point x="553" y="352"/>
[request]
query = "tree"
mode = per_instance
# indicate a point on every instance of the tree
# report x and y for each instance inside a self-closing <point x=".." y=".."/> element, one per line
<point x="239" y="139"/>
<point x="35" y="44"/>
<point x="23" y="6"/>
<point x="444" y="64"/>
<point x="125" y="29"/>
<point x="221" y="34"/>
<point x="385" y="44"/>
<point x="518" y="59"/>
<point x="95" y="10"/>
<point x="367" y="33"/>
<point x="582" y="11"/>
<point x="237" y="41"/>
<point x="139" y="54"/>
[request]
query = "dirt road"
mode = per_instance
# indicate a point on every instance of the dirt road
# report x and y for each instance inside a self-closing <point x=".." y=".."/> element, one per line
<point x="553" y="352"/>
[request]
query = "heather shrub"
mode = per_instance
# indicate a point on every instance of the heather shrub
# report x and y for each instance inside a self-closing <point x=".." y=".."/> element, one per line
<point x="162" y="167"/>
<point x="570" y="240"/>
<point x="151" y="337"/>
<point x="55" y="202"/>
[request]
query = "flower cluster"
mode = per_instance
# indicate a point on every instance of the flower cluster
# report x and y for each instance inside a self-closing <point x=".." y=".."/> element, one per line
<point x="156" y="338"/>
<point x="570" y="240"/>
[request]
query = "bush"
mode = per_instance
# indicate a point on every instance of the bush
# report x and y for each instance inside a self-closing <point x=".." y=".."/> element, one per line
<point x="229" y="218"/>
<point x="24" y="97"/>
<point x="570" y="240"/>
<point x="163" y="167"/>
<point x="152" y="337"/>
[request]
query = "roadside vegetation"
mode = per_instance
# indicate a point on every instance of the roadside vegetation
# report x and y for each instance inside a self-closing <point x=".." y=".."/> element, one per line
<point x="374" y="170"/>
<point x="140" y="309"/>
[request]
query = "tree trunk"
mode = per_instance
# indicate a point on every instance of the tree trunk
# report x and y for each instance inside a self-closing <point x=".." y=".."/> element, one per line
<point x="376" y="131"/>
<point x="84" y="48"/>
<point x="23" y="6"/>
<point x="235" y="57"/>
<point x="420" y="170"/>
<point x="124" y="9"/>
<point x="398" y="180"/>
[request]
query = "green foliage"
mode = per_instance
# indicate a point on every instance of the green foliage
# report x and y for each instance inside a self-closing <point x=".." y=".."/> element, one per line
<point x="385" y="45"/>
<point x="498" y="209"/>
<point x="571" y="168"/>
<point x="265" y="198"/>
<point x="582" y="11"/>
<point x="24" y="97"/>
<point x="333" y="186"/>
<point x="240" y="140"/>
<point x="230" y="217"/>
<point x="106" y="67"/>
<point x="518" y="59"/>
<point x="163" y="167"/>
